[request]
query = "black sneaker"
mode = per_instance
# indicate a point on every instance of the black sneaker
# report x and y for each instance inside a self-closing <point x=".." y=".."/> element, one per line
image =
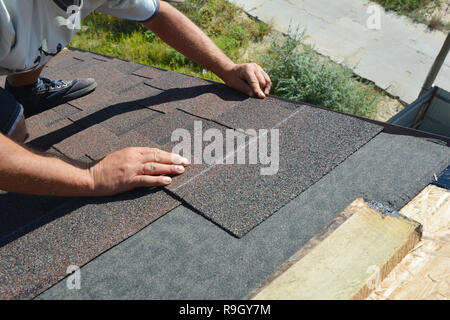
<point x="46" y="94"/>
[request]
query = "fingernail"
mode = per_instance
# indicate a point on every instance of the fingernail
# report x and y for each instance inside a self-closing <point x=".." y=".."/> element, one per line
<point x="262" y="93"/>
<point x="177" y="159"/>
<point x="179" y="168"/>
<point x="167" y="180"/>
<point x="184" y="161"/>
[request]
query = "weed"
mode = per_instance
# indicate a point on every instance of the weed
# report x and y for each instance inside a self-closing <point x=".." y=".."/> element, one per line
<point x="298" y="73"/>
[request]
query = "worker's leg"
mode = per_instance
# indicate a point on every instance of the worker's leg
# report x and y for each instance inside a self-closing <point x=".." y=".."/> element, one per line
<point x="12" y="121"/>
<point x="37" y="94"/>
<point x="24" y="79"/>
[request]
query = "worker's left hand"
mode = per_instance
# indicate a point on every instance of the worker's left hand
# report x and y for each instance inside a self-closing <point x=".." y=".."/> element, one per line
<point x="248" y="78"/>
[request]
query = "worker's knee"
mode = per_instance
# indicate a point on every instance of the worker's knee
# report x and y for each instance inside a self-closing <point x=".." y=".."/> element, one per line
<point x="19" y="134"/>
<point x="12" y="121"/>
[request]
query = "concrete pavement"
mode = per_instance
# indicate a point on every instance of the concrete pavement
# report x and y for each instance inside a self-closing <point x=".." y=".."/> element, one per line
<point x="396" y="57"/>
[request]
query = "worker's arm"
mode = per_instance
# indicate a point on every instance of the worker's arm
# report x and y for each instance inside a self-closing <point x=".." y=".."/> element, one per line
<point x="182" y="34"/>
<point x="24" y="171"/>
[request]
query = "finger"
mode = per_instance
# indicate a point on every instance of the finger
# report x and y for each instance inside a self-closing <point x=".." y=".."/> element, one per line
<point x="157" y="169"/>
<point x="261" y="79"/>
<point x="160" y="156"/>
<point x="151" y="181"/>
<point x="268" y="83"/>
<point x="250" y="77"/>
<point x="242" y="86"/>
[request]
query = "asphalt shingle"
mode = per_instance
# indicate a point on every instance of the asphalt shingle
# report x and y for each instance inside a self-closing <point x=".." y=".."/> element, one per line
<point x="162" y="130"/>
<point x="73" y="234"/>
<point x="214" y="101"/>
<point x="136" y="105"/>
<point x="97" y="99"/>
<point x="20" y="213"/>
<point x="95" y="141"/>
<point x="171" y="80"/>
<point x="311" y="143"/>
<point x="65" y="110"/>
<point x="48" y="128"/>
<point x="148" y="72"/>
<point x="256" y="113"/>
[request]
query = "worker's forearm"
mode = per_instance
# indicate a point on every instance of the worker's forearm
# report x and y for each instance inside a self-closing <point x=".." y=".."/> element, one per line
<point x="26" y="172"/>
<point x="182" y="34"/>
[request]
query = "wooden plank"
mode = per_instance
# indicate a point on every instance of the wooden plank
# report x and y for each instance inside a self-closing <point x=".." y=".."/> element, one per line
<point x="310" y="245"/>
<point x="343" y="263"/>
<point x="425" y="272"/>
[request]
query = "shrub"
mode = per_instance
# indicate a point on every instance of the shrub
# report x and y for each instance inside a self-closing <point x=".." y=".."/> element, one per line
<point x="299" y="73"/>
<point x="403" y="5"/>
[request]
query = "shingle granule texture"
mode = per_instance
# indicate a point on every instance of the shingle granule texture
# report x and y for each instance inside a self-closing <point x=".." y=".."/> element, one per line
<point x="212" y="101"/>
<point x="312" y="142"/>
<point x="73" y="234"/>
<point x="141" y="106"/>
<point x="21" y="213"/>
<point x="183" y="256"/>
<point x="171" y="80"/>
<point x="162" y="128"/>
<point x="41" y="236"/>
<point x="256" y="114"/>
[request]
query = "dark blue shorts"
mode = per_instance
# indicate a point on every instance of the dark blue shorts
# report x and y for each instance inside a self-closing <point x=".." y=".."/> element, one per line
<point x="10" y="112"/>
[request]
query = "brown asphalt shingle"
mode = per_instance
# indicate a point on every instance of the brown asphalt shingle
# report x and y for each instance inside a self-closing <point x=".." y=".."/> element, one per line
<point x="136" y="105"/>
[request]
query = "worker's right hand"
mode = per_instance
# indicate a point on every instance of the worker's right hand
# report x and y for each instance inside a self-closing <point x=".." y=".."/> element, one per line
<point x="132" y="168"/>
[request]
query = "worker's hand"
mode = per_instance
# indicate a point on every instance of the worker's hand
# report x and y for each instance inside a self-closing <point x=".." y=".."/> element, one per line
<point x="134" y="167"/>
<point x="248" y="78"/>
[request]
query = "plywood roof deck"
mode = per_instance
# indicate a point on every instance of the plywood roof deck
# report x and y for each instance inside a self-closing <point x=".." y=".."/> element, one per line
<point x="425" y="272"/>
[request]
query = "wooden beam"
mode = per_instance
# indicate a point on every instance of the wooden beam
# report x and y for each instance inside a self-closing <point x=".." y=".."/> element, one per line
<point x="347" y="259"/>
<point x="425" y="272"/>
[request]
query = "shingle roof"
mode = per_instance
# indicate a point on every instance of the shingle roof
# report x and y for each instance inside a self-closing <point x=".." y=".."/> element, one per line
<point x="184" y="256"/>
<point x="136" y="105"/>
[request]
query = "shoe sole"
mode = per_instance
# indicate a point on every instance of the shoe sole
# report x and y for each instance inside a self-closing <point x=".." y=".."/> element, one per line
<point x="80" y="93"/>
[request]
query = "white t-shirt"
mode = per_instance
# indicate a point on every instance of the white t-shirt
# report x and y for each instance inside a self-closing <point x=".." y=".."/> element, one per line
<point x="33" y="31"/>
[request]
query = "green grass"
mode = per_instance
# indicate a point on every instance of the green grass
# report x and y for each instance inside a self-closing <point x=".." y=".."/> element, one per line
<point x="416" y="9"/>
<point x="403" y="5"/>
<point x="222" y="21"/>
<point x="299" y="73"/>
